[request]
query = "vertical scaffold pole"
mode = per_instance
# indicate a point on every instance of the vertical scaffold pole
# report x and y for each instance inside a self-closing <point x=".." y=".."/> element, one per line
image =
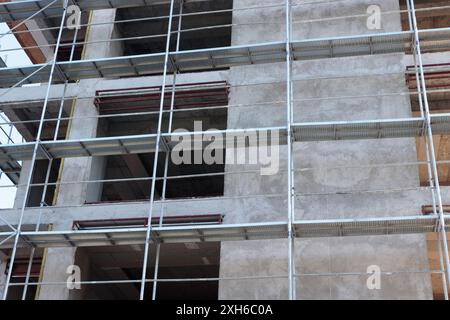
<point x="166" y="164"/>
<point x="430" y="138"/>
<point x="290" y="140"/>
<point x="428" y="160"/>
<point x="155" y="162"/>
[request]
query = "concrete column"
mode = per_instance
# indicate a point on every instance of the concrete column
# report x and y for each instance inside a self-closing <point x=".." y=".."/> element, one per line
<point x="97" y="172"/>
<point x="103" y="32"/>
<point x="56" y="263"/>
<point x="3" y="262"/>
<point x="24" y="174"/>
<point x="58" y="260"/>
<point x="41" y="39"/>
<point x="83" y="262"/>
<point x="78" y="169"/>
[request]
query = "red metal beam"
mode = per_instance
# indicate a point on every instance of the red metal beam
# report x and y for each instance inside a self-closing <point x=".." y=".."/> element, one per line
<point x="202" y="94"/>
<point x="427" y="210"/>
<point x="444" y="75"/>
<point x="143" y="222"/>
<point x="21" y="267"/>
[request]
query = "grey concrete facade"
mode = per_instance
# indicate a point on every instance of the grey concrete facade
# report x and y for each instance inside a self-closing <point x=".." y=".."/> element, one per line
<point x="318" y="188"/>
<point x="333" y="180"/>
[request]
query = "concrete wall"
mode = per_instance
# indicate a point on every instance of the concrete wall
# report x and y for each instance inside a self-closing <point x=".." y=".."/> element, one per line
<point x="324" y="189"/>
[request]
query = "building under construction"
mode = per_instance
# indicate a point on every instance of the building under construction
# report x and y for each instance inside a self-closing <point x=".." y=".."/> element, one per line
<point x="354" y="94"/>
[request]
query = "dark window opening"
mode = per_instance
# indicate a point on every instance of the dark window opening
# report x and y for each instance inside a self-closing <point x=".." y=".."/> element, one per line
<point x="27" y="119"/>
<point x="19" y="275"/>
<point x="66" y="52"/>
<point x="72" y="40"/>
<point x="192" y="38"/>
<point x="124" y="263"/>
<point x="138" y="169"/>
<point x="39" y="177"/>
<point x="135" y="111"/>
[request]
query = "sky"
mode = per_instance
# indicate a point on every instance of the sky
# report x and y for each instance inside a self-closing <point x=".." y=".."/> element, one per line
<point x="12" y="59"/>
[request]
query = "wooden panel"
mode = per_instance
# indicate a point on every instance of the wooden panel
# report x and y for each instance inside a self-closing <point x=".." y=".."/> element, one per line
<point x="433" y="258"/>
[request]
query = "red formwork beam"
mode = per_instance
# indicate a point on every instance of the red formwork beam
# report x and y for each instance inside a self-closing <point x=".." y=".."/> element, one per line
<point x="20" y="268"/>
<point x="441" y="77"/>
<point x="143" y="222"/>
<point x="191" y="95"/>
<point x="427" y="210"/>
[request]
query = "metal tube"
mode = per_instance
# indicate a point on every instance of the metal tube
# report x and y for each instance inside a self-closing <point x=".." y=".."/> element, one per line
<point x="178" y="280"/>
<point x="11" y="127"/>
<point x="433" y="196"/>
<point x="7" y="238"/>
<point x="155" y="276"/>
<point x="442" y="266"/>
<point x="155" y="163"/>
<point x="106" y="282"/>
<point x="166" y="164"/>
<point x="291" y="191"/>
<point x="8" y="224"/>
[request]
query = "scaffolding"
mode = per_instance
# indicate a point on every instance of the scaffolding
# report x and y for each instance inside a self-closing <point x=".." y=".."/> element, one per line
<point x="166" y="67"/>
